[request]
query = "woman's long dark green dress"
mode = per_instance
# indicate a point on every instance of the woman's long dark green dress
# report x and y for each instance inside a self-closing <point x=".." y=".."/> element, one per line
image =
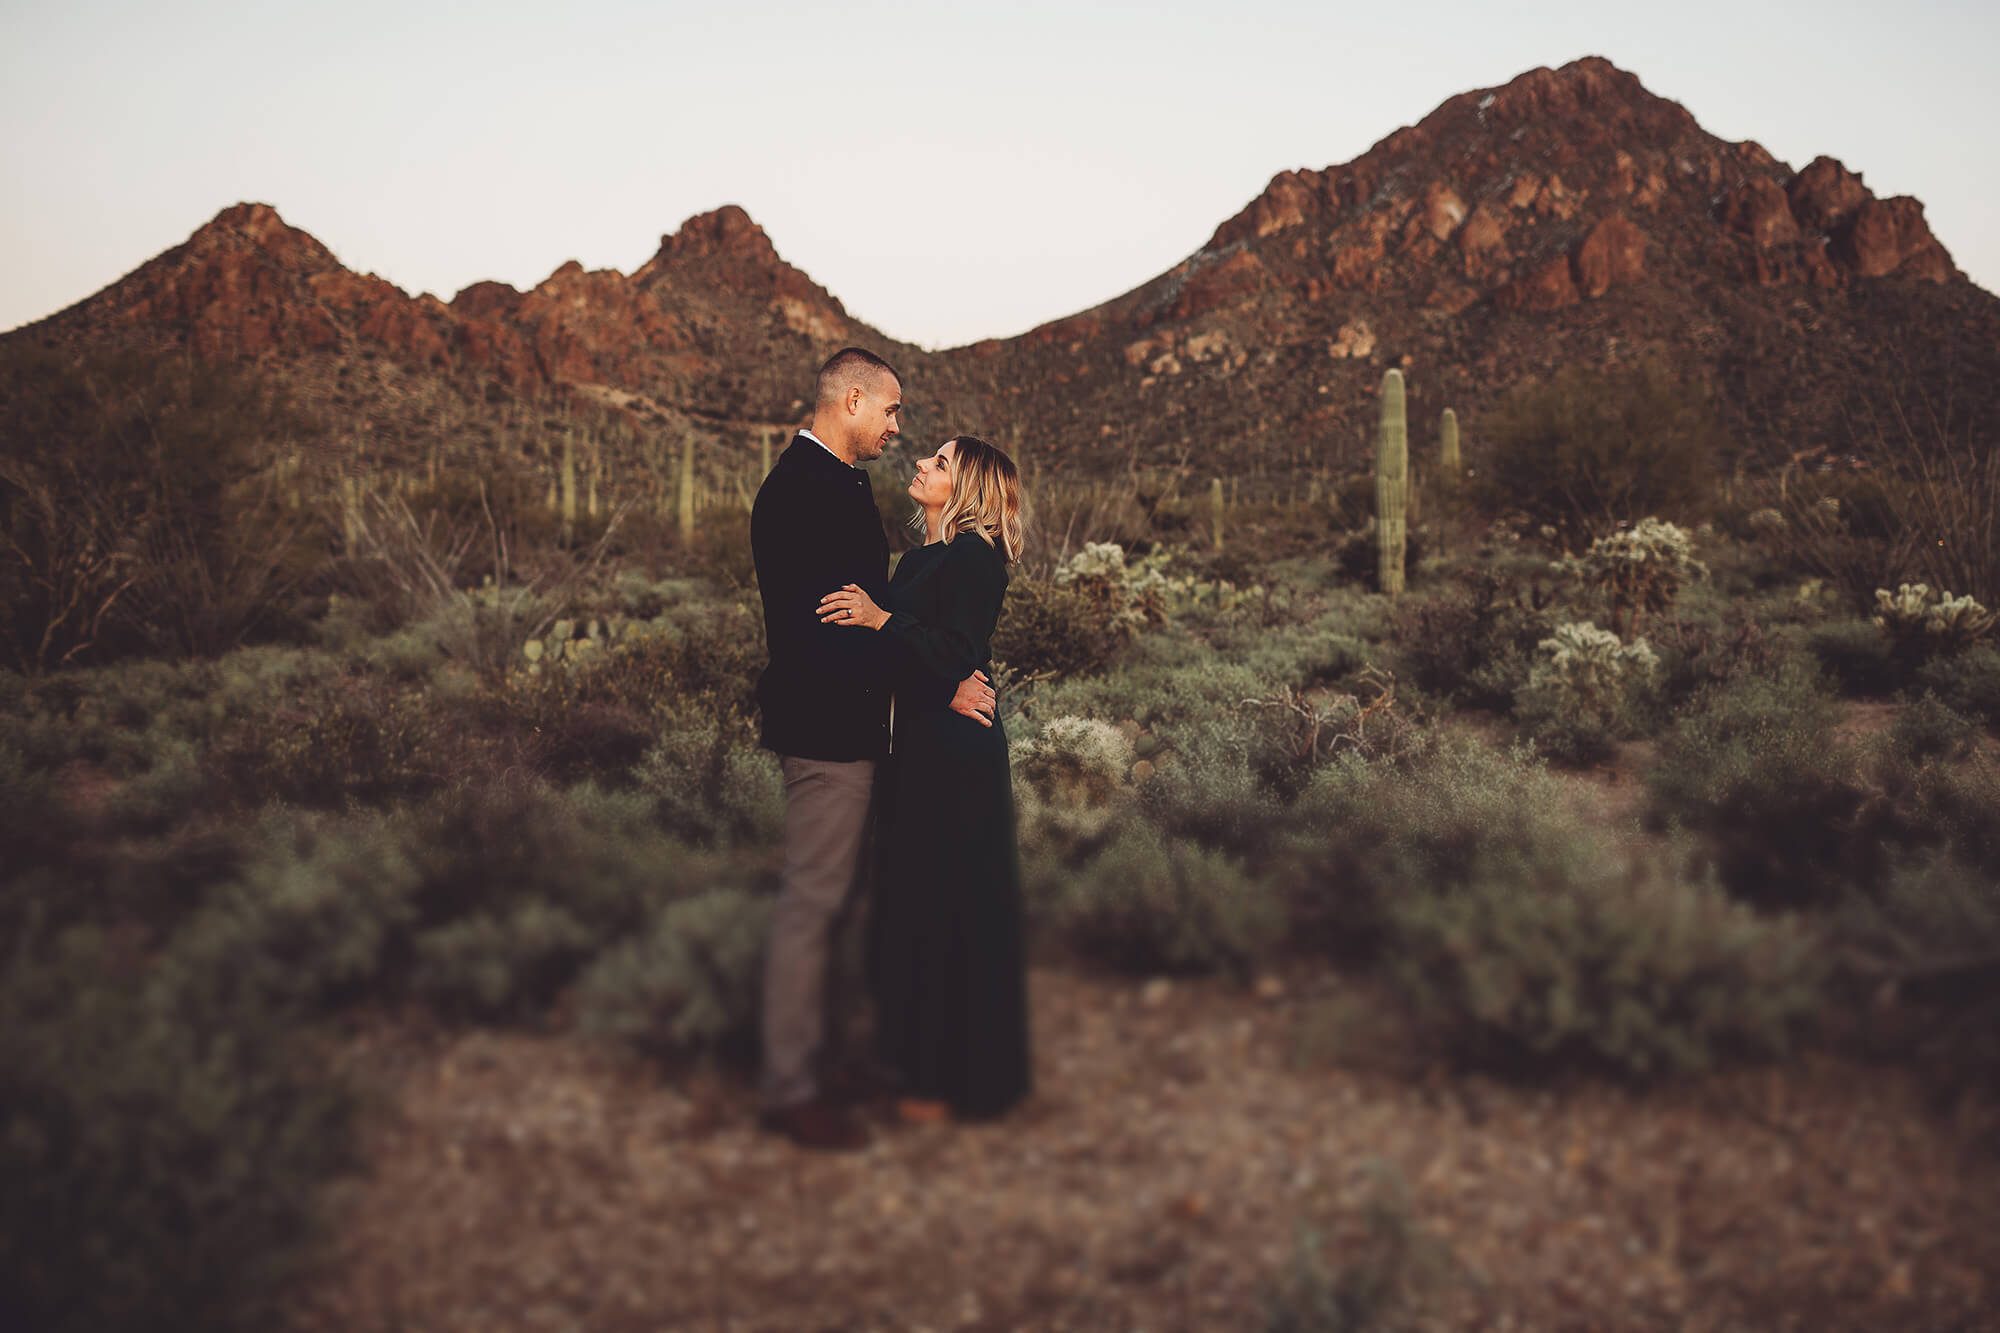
<point x="946" y="955"/>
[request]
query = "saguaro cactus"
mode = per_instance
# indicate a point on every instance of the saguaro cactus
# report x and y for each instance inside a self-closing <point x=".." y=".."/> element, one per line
<point x="568" y="486"/>
<point x="687" y="487"/>
<point x="1217" y="508"/>
<point x="1392" y="483"/>
<point x="1452" y="466"/>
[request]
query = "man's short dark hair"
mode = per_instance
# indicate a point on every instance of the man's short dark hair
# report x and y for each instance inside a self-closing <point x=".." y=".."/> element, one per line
<point x="846" y="368"/>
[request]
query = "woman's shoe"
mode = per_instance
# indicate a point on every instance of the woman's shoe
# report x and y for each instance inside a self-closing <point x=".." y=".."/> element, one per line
<point x="816" y="1124"/>
<point x="918" y="1111"/>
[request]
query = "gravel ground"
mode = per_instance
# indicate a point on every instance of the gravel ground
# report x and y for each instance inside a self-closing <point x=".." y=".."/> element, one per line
<point x="1185" y="1140"/>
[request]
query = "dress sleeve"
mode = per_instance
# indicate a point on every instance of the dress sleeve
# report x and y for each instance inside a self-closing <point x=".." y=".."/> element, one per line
<point x="946" y="650"/>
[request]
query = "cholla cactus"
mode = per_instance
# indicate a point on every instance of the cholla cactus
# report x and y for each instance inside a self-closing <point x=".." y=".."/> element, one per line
<point x="1917" y="625"/>
<point x="1072" y="778"/>
<point x="1590" y="663"/>
<point x="1639" y="570"/>
<point x="1582" y="687"/>
<point x="1096" y="560"/>
<point x="1130" y="595"/>
<point x="1766" y="521"/>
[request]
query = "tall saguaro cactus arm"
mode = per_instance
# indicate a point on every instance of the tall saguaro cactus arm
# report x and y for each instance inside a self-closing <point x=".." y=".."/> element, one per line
<point x="1392" y="483"/>
<point x="687" y="487"/>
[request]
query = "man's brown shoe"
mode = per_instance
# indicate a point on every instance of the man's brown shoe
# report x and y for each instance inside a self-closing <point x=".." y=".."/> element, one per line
<point x="816" y="1124"/>
<point x="857" y="1084"/>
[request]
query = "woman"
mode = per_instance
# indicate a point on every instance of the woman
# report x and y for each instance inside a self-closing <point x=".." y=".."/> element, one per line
<point x="946" y="958"/>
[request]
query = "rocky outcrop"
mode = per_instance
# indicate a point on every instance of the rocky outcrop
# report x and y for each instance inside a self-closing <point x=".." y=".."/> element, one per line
<point x="1760" y="210"/>
<point x="1613" y="253"/>
<point x="1824" y="194"/>
<point x="1885" y="236"/>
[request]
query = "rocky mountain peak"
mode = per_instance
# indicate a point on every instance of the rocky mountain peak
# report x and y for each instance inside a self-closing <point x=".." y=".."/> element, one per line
<point x="259" y="227"/>
<point x="727" y="231"/>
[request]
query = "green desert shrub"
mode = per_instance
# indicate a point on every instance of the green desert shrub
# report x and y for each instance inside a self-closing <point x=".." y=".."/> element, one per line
<point x="1968" y="682"/>
<point x="1753" y="765"/>
<point x="1930" y="908"/>
<point x="319" y="912"/>
<point x="1857" y="655"/>
<point x="596" y="713"/>
<point x="711" y="783"/>
<point x="1928" y="728"/>
<point x="688" y="983"/>
<point x="1933" y="929"/>
<point x="1695" y="653"/>
<point x="1931" y="800"/>
<point x="1148" y="903"/>
<point x="1641" y="974"/>
<point x="1155" y="692"/>
<point x="335" y="738"/>
<point x="1210" y="784"/>
<point x="1451" y="811"/>
<point x="34" y="823"/>
<point x="520" y="885"/>
<point x="1302" y="656"/>
<point x="1047" y="628"/>
<point x="1077" y="620"/>
<point x="162" y="1158"/>
<point x="1589" y="446"/>
<point x="1474" y="642"/>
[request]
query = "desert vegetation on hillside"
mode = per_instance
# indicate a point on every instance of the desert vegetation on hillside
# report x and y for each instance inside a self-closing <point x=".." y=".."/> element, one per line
<point x="270" y="759"/>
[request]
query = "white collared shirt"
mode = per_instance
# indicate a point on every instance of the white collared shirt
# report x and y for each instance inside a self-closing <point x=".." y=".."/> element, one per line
<point x="822" y="444"/>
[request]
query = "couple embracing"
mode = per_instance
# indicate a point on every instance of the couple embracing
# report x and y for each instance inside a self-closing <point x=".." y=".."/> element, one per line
<point x="897" y="788"/>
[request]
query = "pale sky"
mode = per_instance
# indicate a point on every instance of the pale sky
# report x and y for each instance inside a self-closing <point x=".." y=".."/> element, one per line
<point x="950" y="172"/>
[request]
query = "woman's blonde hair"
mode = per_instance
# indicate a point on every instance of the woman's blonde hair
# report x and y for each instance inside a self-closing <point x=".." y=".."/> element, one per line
<point x="985" y="497"/>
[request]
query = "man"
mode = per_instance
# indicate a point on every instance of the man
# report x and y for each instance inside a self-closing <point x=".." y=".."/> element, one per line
<point x="825" y="704"/>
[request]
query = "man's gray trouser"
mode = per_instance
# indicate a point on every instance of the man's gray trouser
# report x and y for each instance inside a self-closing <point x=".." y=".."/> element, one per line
<point x="826" y="822"/>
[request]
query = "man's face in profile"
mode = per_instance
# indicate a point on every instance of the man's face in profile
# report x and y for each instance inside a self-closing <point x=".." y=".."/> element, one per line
<point x="878" y="418"/>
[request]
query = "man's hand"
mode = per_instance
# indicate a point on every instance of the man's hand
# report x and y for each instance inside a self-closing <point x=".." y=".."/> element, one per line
<point x="975" y="699"/>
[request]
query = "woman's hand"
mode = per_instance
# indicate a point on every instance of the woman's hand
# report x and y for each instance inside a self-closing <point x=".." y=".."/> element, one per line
<point x="851" y="606"/>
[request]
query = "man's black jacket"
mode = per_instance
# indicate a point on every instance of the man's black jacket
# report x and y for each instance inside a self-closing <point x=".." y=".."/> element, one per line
<point x="815" y="527"/>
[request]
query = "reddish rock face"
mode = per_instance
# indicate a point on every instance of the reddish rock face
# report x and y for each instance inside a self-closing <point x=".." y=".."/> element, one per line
<point x="1482" y="241"/>
<point x="248" y="285"/>
<point x="1890" y="236"/>
<point x="1760" y="210"/>
<point x="1547" y="287"/>
<point x="1443" y="211"/>
<point x="1613" y="253"/>
<point x="1287" y="201"/>
<point x="1824" y="193"/>
<point x="1211" y="286"/>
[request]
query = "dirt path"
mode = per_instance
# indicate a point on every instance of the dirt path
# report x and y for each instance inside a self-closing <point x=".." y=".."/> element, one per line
<point x="1158" y="1180"/>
